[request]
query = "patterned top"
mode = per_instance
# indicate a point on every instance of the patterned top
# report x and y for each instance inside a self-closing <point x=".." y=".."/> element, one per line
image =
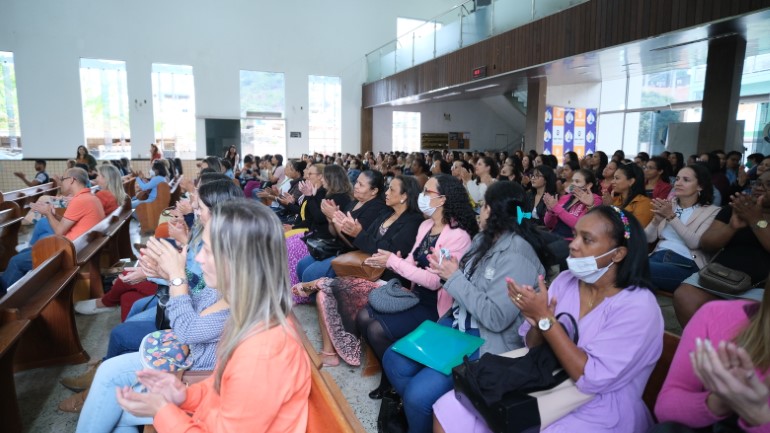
<point x="201" y="333"/>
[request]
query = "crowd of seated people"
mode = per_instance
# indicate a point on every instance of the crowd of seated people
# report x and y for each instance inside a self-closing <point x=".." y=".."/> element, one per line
<point x="489" y="244"/>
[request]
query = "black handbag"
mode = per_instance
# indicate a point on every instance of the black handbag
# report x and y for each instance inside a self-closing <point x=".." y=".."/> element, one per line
<point x="497" y="388"/>
<point x="322" y="249"/>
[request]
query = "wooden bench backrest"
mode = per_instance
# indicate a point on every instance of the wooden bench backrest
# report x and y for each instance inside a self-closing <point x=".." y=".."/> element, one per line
<point x="659" y="373"/>
<point x="10" y="224"/>
<point x="30" y="194"/>
<point x="31" y="294"/>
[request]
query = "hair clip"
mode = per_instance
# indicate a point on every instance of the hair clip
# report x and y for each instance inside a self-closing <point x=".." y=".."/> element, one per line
<point x="521" y="215"/>
<point x="624" y="220"/>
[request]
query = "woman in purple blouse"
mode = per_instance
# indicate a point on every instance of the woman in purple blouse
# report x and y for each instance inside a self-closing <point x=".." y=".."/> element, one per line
<point x="621" y="328"/>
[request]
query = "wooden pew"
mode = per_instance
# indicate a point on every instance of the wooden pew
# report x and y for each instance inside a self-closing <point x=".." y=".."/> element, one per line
<point x="129" y="183"/>
<point x="10" y="224"/>
<point x="658" y="376"/>
<point x="23" y="197"/>
<point x="37" y="328"/>
<point x="149" y="213"/>
<point x="10" y="333"/>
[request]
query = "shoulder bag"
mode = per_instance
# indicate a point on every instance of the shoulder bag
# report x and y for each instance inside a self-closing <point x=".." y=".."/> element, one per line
<point x="521" y="391"/>
<point x="322" y="249"/>
<point x="352" y="265"/>
<point x="722" y="279"/>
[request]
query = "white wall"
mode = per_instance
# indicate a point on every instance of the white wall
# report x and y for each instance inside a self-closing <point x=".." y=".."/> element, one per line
<point x="472" y="116"/>
<point x="296" y="37"/>
<point x="587" y="95"/>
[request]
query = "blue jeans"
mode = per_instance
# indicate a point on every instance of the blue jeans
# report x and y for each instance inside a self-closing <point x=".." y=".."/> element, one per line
<point x="309" y="269"/>
<point x="127" y="337"/>
<point x="418" y="386"/>
<point x="42" y="230"/>
<point x="101" y="412"/>
<point x="668" y="269"/>
<point x="18" y="266"/>
<point x="143" y="310"/>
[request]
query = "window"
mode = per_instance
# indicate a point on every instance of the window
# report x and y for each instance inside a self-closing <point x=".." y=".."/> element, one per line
<point x="10" y="133"/>
<point x="263" y="126"/>
<point x="173" y="106"/>
<point x="406" y="131"/>
<point x="325" y="114"/>
<point x="105" y="108"/>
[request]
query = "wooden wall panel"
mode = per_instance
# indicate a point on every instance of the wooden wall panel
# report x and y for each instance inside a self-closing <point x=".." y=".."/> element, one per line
<point x="588" y="27"/>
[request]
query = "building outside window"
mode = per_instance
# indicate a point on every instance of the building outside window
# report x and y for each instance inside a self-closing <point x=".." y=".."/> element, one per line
<point x="173" y="107"/>
<point x="406" y="131"/>
<point x="325" y="114"/>
<point x="104" y="98"/>
<point x="263" y="124"/>
<point x="10" y="132"/>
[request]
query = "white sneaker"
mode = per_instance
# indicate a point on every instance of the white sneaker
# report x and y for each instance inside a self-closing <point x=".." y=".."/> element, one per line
<point x="89" y="307"/>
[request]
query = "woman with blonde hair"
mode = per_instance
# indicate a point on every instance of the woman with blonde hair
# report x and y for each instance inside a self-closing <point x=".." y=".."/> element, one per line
<point x="260" y="360"/>
<point x="111" y="192"/>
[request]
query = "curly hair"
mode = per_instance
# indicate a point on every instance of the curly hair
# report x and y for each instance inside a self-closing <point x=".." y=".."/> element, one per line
<point x="458" y="212"/>
<point x="503" y="199"/>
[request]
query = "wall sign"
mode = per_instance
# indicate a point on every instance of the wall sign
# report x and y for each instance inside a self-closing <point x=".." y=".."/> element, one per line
<point x="569" y="129"/>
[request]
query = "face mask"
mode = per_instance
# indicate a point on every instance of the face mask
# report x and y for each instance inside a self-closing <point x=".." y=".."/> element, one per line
<point x="152" y="173"/>
<point x="423" y="202"/>
<point x="586" y="269"/>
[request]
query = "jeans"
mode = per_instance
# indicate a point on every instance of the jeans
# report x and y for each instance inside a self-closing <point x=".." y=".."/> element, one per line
<point x="101" y="412"/>
<point x="419" y="386"/>
<point x="668" y="269"/>
<point x="42" y="230"/>
<point x="18" y="266"/>
<point x="309" y="269"/>
<point x="138" y="311"/>
<point x="127" y="336"/>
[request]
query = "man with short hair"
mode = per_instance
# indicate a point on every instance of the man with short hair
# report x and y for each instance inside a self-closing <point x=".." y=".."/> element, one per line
<point x="83" y="212"/>
<point x="41" y="176"/>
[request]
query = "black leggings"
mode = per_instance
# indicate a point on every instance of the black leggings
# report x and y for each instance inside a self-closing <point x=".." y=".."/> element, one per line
<point x="371" y="329"/>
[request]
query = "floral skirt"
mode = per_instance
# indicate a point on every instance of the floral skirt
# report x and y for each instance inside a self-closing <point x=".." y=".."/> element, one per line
<point x="297" y="250"/>
<point x="341" y="299"/>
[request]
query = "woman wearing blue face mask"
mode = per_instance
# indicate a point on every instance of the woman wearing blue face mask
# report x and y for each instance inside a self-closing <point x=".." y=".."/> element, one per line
<point x="620" y="323"/>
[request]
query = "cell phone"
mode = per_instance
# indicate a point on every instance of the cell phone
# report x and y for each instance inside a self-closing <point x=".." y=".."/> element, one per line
<point x="443" y="253"/>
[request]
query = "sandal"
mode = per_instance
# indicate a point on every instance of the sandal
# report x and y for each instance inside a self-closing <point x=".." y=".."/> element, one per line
<point x="74" y="404"/>
<point x="305" y="289"/>
<point x="328" y="364"/>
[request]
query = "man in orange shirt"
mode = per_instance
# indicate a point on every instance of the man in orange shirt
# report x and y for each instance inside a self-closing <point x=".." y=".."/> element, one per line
<point x="83" y="212"/>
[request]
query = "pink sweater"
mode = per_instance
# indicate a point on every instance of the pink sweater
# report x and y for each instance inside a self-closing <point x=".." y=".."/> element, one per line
<point x="569" y="217"/>
<point x="683" y="397"/>
<point x="456" y="240"/>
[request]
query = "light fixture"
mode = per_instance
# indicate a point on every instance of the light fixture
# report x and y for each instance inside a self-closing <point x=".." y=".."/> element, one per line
<point x="488" y="86"/>
<point x="447" y="95"/>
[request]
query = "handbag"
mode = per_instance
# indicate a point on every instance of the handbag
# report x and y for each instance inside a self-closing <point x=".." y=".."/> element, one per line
<point x="392" y="298"/>
<point x="162" y="351"/>
<point x="522" y="391"/>
<point x="721" y="279"/>
<point x="142" y="194"/>
<point x="322" y="249"/>
<point x="161" y="321"/>
<point x="352" y="265"/>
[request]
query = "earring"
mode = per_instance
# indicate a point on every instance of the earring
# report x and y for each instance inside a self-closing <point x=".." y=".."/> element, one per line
<point x="403" y="201"/>
<point x="698" y="193"/>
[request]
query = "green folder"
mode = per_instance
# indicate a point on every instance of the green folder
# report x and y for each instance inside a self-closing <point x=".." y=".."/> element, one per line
<point x="439" y="347"/>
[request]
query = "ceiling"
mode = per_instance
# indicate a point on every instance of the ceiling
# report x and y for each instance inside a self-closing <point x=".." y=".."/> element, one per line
<point x="678" y="50"/>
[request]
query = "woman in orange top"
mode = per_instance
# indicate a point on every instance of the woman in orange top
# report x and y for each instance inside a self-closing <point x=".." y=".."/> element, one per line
<point x="262" y="379"/>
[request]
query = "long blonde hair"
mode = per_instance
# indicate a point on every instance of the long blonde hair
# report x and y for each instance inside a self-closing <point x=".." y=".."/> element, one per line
<point x="754" y="337"/>
<point x="114" y="182"/>
<point x="250" y="258"/>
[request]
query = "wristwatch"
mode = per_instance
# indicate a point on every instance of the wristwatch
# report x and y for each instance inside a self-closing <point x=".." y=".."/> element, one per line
<point x="178" y="281"/>
<point x="545" y="323"/>
<point x="762" y="224"/>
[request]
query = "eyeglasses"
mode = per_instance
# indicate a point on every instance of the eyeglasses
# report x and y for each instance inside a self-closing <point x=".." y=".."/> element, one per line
<point x="650" y="167"/>
<point x="536" y="175"/>
<point x="427" y="191"/>
<point x="67" y="177"/>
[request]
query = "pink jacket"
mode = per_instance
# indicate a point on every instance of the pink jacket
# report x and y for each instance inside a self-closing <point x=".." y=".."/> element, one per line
<point x="569" y="217"/>
<point x="456" y="240"/>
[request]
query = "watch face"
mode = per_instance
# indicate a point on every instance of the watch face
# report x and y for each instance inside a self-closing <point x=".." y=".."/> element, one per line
<point x="762" y="224"/>
<point x="544" y="324"/>
<point x="176" y="281"/>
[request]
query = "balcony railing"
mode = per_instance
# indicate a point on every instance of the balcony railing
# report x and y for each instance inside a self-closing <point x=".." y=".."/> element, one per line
<point x="463" y="25"/>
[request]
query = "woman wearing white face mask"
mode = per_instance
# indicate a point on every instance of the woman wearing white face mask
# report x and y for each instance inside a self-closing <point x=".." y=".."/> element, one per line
<point x="620" y="324"/>
<point x="451" y="224"/>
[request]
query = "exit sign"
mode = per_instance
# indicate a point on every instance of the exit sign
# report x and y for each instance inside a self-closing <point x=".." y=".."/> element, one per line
<point x="479" y="72"/>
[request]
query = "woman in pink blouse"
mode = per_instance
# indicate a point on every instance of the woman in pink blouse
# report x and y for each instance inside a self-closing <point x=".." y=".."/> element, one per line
<point x="719" y="372"/>
<point x="563" y="213"/>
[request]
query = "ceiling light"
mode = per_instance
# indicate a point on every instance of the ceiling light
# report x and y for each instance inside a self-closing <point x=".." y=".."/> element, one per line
<point x="447" y="95"/>
<point x="488" y="86"/>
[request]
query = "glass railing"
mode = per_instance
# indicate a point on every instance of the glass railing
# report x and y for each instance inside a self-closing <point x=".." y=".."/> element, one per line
<point x="463" y="25"/>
